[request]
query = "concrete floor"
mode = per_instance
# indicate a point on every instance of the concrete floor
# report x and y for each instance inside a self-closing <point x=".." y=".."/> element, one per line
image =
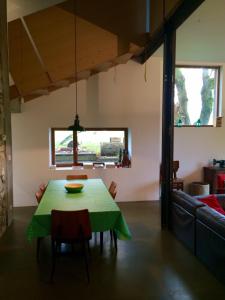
<point x="154" y="265"/>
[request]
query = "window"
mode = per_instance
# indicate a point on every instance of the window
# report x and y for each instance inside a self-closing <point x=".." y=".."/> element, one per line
<point x="93" y="145"/>
<point x="196" y="95"/>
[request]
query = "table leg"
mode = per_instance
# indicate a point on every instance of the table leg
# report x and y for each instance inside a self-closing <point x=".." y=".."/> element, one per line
<point x="38" y="248"/>
<point x="101" y="242"/>
<point x="115" y="239"/>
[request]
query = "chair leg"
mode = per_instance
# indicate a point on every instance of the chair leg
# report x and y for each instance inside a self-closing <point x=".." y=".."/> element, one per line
<point x="111" y="234"/>
<point x="86" y="261"/>
<point x="54" y="249"/>
<point x="115" y="239"/>
<point x="101" y="242"/>
<point x="38" y="248"/>
<point x="88" y="246"/>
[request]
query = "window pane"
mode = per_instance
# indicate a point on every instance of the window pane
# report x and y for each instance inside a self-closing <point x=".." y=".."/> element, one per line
<point x="195" y="96"/>
<point x="100" y="146"/>
<point x="63" y="147"/>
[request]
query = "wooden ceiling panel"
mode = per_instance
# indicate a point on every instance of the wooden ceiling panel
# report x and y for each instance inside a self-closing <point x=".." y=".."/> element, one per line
<point x="124" y="18"/>
<point x="25" y="67"/>
<point x="54" y="35"/>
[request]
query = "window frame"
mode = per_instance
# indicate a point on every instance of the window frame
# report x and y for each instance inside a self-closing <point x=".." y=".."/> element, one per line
<point x="218" y="82"/>
<point x="75" y="154"/>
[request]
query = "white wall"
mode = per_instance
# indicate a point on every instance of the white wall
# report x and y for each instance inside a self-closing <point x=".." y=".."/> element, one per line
<point x="196" y="147"/>
<point x="117" y="98"/>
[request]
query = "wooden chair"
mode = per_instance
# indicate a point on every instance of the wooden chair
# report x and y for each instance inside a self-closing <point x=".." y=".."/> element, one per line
<point x="176" y="165"/>
<point x="38" y="196"/>
<point x="70" y="227"/>
<point x="42" y="187"/>
<point x="112" y="189"/>
<point x="72" y="177"/>
<point x="114" y="195"/>
<point x="113" y="192"/>
<point x="178" y="183"/>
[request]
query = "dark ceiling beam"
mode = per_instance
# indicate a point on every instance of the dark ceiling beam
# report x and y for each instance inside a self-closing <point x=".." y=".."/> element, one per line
<point x="183" y="11"/>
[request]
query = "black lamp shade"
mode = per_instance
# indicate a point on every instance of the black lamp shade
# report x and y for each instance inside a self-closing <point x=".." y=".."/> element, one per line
<point x="76" y="126"/>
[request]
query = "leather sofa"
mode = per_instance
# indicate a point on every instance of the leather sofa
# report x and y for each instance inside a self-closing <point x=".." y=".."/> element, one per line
<point x="183" y="218"/>
<point x="201" y="229"/>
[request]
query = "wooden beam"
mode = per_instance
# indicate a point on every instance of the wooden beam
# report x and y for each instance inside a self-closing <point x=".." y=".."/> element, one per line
<point x="103" y="67"/>
<point x="167" y="124"/>
<point x="160" y="10"/>
<point x="122" y="59"/>
<point x="175" y="19"/>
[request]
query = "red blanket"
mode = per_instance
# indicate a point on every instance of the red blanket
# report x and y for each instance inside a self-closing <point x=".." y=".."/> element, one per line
<point x="220" y="183"/>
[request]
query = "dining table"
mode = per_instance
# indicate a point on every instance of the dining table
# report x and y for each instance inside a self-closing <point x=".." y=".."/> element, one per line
<point x="104" y="212"/>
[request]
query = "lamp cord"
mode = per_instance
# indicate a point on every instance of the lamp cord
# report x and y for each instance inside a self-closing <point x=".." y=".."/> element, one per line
<point x="75" y="53"/>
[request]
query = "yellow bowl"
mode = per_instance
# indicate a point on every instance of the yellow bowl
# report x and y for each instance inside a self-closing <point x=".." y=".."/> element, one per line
<point x="74" y="187"/>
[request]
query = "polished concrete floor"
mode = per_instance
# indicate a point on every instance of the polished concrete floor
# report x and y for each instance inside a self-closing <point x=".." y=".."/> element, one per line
<point x="154" y="265"/>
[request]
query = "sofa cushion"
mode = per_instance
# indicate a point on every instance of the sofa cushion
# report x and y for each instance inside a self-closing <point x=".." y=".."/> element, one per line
<point x="220" y="198"/>
<point x="212" y="219"/>
<point x="186" y="201"/>
<point x="212" y="201"/>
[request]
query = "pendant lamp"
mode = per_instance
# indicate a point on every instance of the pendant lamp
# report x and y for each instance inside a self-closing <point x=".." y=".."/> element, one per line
<point x="76" y="125"/>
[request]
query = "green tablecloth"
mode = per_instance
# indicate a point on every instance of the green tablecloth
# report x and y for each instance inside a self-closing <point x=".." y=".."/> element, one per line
<point x="104" y="212"/>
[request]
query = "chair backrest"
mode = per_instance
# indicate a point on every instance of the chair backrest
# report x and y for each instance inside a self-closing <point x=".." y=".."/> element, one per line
<point x="38" y="196"/>
<point x="114" y="195"/>
<point x="42" y="187"/>
<point x="71" y="177"/>
<point x="112" y="188"/>
<point x="70" y="225"/>
<point x="176" y="165"/>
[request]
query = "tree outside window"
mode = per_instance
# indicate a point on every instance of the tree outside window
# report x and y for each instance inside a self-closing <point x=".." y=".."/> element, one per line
<point x="196" y="95"/>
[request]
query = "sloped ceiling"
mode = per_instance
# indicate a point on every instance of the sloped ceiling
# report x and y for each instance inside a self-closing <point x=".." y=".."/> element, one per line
<point x="42" y="48"/>
<point x="53" y="33"/>
<point x="42" y="40"/>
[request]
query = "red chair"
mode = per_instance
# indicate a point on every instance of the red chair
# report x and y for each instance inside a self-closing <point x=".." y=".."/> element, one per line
<point x="43" y="187"/>
<point x="38" y="196"/>
<point x="113" y="192"/>
<point x="112" y="189"/>
<point x="70" y="227"/>
<point x="72" y="177"/>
